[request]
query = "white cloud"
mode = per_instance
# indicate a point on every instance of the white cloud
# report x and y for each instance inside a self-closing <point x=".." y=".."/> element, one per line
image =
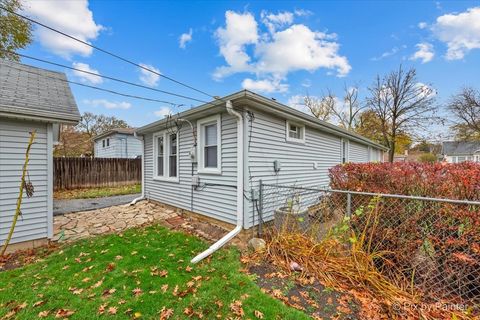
<point x="389" y="53"/>
<point x="425" y="52"/>
<point x="285" y="48"/>
<point x="460" y="32"/>
<point x="108" y="104"/>
<point x="240" y="30"/>
<point x="299" y="48"/>
<point x="298" y="102"/>
<point x="71" y="17"/>
<point x="185" y="38"/>
<point x="85" y="77"/>
<point x="163" y="112"/>
<point x="273" y="21"/>
<point x="265" y="85"/>
<point x="422" y="25"/>
<point x="147" y="77"/>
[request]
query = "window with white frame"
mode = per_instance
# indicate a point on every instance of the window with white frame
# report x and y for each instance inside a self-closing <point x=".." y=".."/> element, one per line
<point x="344" y="150"/>
<point x="295" y="132"/>
<point x="209" y="145"/>
<point x="165" y="150"/>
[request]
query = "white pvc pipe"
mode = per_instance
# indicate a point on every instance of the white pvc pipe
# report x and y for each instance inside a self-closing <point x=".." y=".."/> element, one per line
<point x="217" y="245"/>
<point x="142" y="196"/>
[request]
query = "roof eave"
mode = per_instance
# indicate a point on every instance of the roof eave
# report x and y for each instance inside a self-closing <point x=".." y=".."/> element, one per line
<point x="70" y="120"/>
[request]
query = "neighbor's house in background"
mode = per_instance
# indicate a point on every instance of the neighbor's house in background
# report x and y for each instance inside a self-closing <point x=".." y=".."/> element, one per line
<point x="31" y="99"/>
<point x="242" y="139"/>
<point x="460" y="151"/>
<point x="117" y="143"/>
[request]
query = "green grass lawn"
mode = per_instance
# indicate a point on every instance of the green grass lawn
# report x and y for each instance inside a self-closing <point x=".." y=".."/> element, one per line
<point x="89" y="193"/>
<point x="137" y="275"/>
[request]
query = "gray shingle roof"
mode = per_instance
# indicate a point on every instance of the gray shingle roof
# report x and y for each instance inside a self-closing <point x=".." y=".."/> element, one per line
<point x="460" y="147"/>
<point x="32" y="92"/>
<point x="115" y="130"/>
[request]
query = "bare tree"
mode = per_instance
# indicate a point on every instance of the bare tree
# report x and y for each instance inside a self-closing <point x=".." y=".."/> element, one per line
<point x="402" y="104"/>
<point x="466" y="108"/>
<point x="347" y="115"/>
<point x="322" y="107"/>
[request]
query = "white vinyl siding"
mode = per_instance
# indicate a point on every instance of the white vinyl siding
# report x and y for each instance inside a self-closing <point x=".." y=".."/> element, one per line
<point x="358" y="153"/>
<point x="121" y="146"/>
<point x="14" y="137"/>
<point x="218" y="202"/>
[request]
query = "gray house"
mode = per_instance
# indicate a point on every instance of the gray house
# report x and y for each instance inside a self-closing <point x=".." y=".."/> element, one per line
<point x="30" y="99"/>
<point x="117" y="143"/>
<point x="460" y="151"/>
<point x="209" y="159"/>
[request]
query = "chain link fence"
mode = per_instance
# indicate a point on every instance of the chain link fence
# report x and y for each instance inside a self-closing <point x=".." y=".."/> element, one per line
<point x="430" y="246"/>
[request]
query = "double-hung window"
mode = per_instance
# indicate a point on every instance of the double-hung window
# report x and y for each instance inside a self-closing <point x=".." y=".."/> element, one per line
<point x="209" y="145"/>
<point x="295" y="132"/>
<point x="344" y="150"/>
<point x="165" y="156"/>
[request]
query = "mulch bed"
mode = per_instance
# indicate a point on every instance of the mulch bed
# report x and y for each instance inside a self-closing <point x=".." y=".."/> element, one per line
<point x="305" y="294"/>
<point x="20" y="258"/>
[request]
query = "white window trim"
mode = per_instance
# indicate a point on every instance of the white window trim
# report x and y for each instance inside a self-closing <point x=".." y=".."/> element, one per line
<point x="201" y="144"/>
<point x="302" y="132"/>
<point x="166" y="151"/>
<point x="346" y="156"/>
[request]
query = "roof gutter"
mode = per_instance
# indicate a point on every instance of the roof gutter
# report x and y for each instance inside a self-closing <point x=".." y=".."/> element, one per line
<point x="217" y="245"/>
<point x="142" y="196"/>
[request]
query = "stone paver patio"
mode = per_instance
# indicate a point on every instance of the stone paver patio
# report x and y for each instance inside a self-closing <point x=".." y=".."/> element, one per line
<point x="74" y="226"/>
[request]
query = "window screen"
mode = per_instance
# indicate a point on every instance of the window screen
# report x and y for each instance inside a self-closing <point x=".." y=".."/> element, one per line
<point x="160" y="150"/>
<point x="211" y="148"/>
<point x="173" y="155"/>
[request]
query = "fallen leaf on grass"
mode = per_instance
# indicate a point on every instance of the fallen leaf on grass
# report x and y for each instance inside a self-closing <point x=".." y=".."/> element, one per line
<point x="43" y="314"/>
<point x="236" y="308"/>
<point x="64" y="313"/>
<point x="188" y="269"/>
<point x="38" y="303"/>
<point x="164" y="288"/>
<point x="137" y="291"/>
<point x="165" y="313"/>
<point x="258" y="314"/>
<point x="112" y="310"/>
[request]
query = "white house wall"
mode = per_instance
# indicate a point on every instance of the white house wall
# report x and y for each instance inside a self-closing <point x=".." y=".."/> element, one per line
<point x="303" y="165"/>
<point x="121" y="146"/>
<point x="218" y="202"/>
<point x="36" y="211"/>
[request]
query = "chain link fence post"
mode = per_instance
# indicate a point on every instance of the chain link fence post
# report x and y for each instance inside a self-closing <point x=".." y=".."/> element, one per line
<point x="349" y="204"/>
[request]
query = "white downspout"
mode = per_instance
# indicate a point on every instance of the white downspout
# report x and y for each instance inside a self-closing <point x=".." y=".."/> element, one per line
<point x="142" y="196"/>
<point x="217" y="245"/>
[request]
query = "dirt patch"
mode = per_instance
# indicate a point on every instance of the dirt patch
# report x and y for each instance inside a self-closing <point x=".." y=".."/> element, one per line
<point x="305" y="294"/>
<point x="20" y="258"/>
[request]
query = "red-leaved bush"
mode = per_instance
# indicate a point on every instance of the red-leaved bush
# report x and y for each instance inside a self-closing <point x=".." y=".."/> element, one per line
<point x="434" y="244"/>
<point x="439" y="180"/>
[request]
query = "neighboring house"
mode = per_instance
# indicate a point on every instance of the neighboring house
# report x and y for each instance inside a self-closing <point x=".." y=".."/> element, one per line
<point x="117" y="143"/>
<point x="257" y="139"/>
<point x="460" y="151"/>
<point x="30" y="99"/>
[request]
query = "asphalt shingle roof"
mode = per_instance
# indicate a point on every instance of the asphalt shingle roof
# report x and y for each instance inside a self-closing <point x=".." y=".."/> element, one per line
<point x="115" y="130"/>
<point x="460" y="147"/>
<point x="34" y="92"/>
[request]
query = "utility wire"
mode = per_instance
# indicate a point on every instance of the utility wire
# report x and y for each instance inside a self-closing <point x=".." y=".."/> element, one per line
<point x="93" y="87"/>
<point x="103" y="76"/>
<point x="106" y="52"/>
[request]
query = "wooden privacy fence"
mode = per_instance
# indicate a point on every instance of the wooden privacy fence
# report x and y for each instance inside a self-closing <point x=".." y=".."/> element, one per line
<point x="72" y="173"/>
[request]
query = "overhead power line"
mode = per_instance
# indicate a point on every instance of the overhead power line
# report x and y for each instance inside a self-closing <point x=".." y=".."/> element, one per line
<point x="105" y="77"/>
<point x="106" y="52"/>
<point x="93" y="87"/>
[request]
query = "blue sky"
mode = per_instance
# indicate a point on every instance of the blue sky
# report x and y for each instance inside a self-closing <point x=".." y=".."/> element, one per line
<point x="278" y="49"/>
